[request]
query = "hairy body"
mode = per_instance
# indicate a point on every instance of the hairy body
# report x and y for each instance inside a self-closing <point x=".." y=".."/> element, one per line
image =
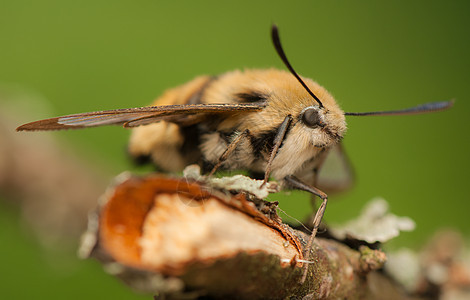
<point x="172" y="146"/>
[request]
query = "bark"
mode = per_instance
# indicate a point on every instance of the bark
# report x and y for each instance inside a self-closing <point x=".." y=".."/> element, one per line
<point x="181" y="238"/>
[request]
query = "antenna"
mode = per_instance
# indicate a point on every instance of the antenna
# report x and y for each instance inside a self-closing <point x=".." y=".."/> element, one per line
<point x="423" y="108"/>
<point x="282" y="55"/>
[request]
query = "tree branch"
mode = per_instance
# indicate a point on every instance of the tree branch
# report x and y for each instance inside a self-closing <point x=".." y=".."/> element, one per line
<point x="209" y="242"/>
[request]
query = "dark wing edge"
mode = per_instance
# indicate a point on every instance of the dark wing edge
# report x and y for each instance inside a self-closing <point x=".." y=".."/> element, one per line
<point x="132" y="117"/>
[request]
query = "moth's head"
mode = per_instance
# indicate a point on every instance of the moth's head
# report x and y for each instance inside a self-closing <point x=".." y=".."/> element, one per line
<point x="317" y="124"/>
<point x="324" y="124"/>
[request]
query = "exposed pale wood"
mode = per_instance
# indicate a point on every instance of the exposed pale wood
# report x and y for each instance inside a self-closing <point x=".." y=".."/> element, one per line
<point x="197" y="240"/>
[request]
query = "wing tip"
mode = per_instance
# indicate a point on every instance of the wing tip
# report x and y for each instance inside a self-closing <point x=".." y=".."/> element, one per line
<point x="23" y="127"/>
<point x="33" y="126"/>
<point x="45" y="125"/>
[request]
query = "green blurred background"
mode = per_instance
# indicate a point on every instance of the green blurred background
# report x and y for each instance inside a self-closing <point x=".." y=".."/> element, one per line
<point x="371" y="55"/>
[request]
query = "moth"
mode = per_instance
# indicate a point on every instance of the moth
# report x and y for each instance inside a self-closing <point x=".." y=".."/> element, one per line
<point x="271" y="123"/>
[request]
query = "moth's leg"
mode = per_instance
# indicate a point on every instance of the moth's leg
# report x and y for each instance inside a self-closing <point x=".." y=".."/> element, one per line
<point x="294" y="182"/>
<point x="278" y="139"/>
<point x="313" y="198"/>
<point x="230" y="149"/>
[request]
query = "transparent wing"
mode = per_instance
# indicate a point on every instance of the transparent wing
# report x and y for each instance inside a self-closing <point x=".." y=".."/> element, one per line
<point x="132" y="117"/>
<point x="336" y="173"/>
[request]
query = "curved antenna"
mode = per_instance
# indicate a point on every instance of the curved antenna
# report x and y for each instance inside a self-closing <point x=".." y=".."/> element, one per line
<point x="282" y="55"/>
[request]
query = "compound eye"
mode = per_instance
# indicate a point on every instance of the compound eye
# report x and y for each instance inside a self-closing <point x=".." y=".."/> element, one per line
<point x="311" y="118"/>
